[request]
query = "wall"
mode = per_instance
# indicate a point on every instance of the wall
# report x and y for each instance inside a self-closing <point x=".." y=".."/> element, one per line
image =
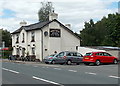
<point x="84" y="50"/>
<point x="115" y="53"/>
<point x="67" y="41"/>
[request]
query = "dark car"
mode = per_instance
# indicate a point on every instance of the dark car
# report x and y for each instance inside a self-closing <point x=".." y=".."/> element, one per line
<point x="99" y="57"/>
<point x="68" y="58"/>
<point x="49" y="59"/>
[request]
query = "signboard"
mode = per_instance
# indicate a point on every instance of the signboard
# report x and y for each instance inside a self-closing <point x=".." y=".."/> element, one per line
<point x="55" y="33"/>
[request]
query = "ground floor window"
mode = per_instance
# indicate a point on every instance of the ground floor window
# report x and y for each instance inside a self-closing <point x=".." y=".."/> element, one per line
<point x="23" y="51"/>
<point x="33" y="51"/>
<point x="17" y="51"/>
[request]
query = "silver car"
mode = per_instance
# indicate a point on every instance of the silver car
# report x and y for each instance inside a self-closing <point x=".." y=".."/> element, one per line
<point x="67" y="57"/>
<point x="49" y="59"/>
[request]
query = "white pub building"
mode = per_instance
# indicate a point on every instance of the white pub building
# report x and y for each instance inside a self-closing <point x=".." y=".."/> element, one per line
<point x="44" y="38"/>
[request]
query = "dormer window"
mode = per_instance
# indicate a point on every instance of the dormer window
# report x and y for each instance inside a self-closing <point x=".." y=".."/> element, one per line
<point x="23" y="39"/>
<point x="17" y="38"/>
<point x="32" y="36"/>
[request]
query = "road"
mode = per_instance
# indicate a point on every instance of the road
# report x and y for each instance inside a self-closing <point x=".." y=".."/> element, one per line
<point x="59" y="75"/>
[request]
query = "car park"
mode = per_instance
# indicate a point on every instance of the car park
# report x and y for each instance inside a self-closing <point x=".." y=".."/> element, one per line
<point x="99" y="57"/>
<point x="67" y="57"/>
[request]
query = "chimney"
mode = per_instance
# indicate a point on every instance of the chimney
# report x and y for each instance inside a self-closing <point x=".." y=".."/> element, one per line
<point x="53" y="16"/>
<point x="68" y="26"/>
<point x="23" y="23"/>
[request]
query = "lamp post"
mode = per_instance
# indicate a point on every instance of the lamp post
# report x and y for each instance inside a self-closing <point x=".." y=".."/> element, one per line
<point x="3" y="46"/>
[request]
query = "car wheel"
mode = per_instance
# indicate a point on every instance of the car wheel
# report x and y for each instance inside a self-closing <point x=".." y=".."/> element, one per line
<point x="97" y="62"/>
<point x="46" y="62"/>
<point x="77" y="63"/>
<point x="86" y="63"/>
<point x="61" y="63"/>
<point x="53" y="62"/>
<point x="69" y="62"/>
<point x="115" y="61"/>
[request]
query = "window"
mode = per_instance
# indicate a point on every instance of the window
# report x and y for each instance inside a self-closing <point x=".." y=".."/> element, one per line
<point x="106" y="54"/>
<point x="76" y="47"/>
<point x="88" y="54"/>
<point x="71" y="54"/>
<point x="17" y="38"/>
<point x="75" y="54"/>
<point x="68" y="54"/>
<point x="99" y="54"/>
<point x="33" y="51"/>
<point x="23" y="51"/>
<point x="17" y="51"/>
<point x="33" y="37"/>
<point x="23" y="38"/>
<point x="60" y="54"/>
<point x="79" y="55"/>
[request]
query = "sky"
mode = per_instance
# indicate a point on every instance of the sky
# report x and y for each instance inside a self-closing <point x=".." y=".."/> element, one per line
<point x="74" y="12"/>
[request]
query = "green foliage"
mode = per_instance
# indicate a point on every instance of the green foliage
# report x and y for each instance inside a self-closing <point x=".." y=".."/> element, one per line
<point x="105" y="32"/>
<point x="44" y="11"/>
<point x="6" y="53"/>
<point x="6" y="37"/>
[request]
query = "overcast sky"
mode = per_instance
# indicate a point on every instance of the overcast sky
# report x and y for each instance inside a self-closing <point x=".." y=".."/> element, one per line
<point x="74" y="12"/>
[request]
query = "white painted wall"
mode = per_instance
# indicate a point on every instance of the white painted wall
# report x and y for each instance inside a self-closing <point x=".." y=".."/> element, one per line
<point x="84" y="50"/>
<point x="67" y="41"/>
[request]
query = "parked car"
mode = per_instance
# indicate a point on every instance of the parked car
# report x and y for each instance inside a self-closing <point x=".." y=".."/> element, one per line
<point x="49" y="59"/>
<point x="99" y="57"/>
<point x="67" y="57"/>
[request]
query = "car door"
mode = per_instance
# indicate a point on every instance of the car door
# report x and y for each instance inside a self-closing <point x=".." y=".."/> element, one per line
<point x="60" y="57"/>
<point x="108" y="57"/>
<point x="100" y="57"/>
<point x="79" y="57"/>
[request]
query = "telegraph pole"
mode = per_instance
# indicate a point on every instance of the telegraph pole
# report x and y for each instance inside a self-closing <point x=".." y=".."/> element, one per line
<point x="3" y="46"/>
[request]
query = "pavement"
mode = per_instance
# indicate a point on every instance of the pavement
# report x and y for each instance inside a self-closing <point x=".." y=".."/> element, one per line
<point x="36" y="73"/>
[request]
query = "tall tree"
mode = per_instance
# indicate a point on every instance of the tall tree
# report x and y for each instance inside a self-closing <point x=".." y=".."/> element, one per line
<point x="44" y="11"/>
<point x="6" y="37"/>
<point x="105" y="32"/>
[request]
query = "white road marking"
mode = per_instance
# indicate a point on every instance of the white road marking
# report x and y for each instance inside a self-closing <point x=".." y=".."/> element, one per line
<point x="91" y="73"/>
<point x="93" y="66"/>
<point x="10" y="70"/>
<point x="35" y="66"/>
<point x="114" y="77"/>
<point x="57" y="68"/>
<point x="72" y="70"/>
<point x="46" y="80"/>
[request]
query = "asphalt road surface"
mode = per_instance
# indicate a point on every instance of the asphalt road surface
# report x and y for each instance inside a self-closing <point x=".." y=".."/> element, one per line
<point x="60" y="75"/>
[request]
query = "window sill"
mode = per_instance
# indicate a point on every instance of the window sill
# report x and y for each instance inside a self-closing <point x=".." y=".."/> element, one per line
<point x="32" y="41"/>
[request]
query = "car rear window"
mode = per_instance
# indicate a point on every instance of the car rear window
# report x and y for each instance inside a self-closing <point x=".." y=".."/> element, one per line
<point x="88" y="54"/>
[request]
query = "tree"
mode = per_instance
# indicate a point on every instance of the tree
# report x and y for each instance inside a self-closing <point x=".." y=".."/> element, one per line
<point x="105" y="32"/>
<point x="44" y="11"/>
<point x="6" y="37"/>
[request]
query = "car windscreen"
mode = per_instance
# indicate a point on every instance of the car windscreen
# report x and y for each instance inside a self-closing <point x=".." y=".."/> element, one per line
<point x="50" y="56"/>
<point x="88" y="54"/>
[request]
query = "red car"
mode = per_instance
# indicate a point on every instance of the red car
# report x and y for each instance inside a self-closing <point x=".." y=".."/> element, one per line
<point x="99" y="57"/>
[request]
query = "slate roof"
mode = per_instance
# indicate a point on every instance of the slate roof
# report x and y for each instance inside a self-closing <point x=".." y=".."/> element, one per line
<point x="35" y="26"/>
<point x="40" y="25"/>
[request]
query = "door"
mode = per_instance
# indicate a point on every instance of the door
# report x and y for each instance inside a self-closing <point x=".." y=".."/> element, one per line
<point x="60" y="58"/>
<point x="108" y="57"/>
<point x="79" y="57"/>
<point x="100" y="56"/>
